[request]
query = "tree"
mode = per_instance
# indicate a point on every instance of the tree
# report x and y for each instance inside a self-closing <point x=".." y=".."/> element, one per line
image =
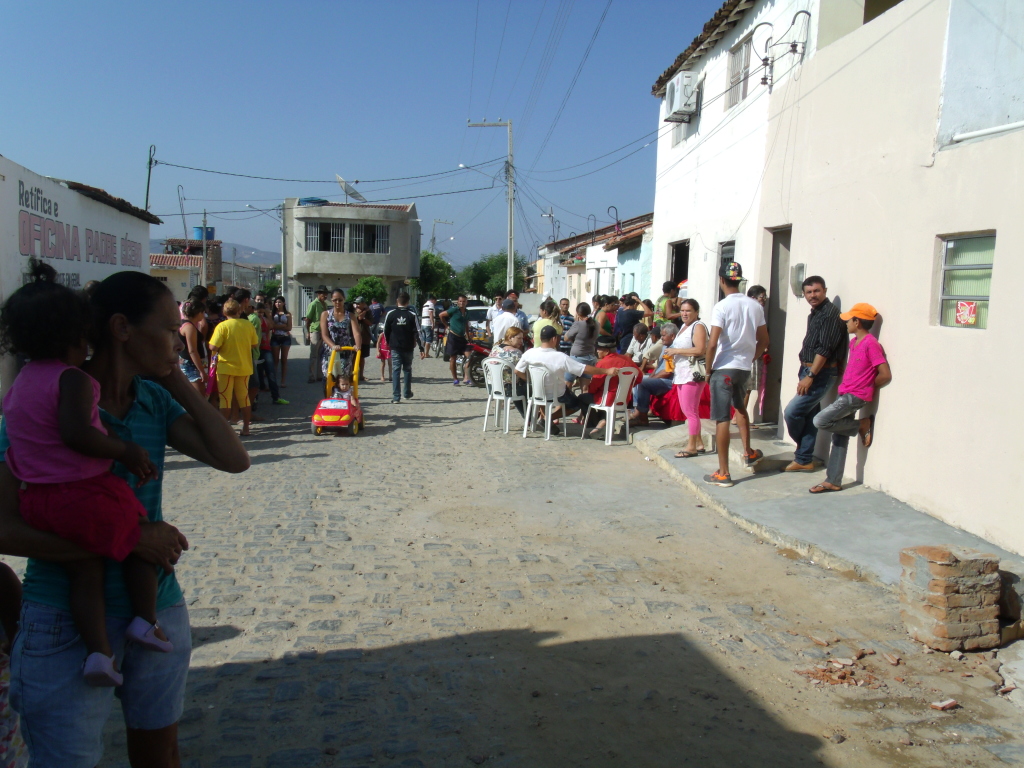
<point x="271" y="288"/>
<point x="437" y="277"/>
<point x="487" y="275"/>
<point x="370" y="288"/>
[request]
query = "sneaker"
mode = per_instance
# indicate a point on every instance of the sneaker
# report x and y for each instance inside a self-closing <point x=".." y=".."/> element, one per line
<point x="395" y="400"/>
<point x="796" y="466"/>
<point x="719" y="479"/>
<point x="280" y="401"/>
<point x="408" y="395"/>
<point x="753" y="457"/>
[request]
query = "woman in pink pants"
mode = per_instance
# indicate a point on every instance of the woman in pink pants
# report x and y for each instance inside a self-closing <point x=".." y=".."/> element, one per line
<point x="691" y="342"/>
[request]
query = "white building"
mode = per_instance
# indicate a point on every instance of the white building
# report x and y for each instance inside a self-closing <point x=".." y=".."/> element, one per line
<point x="895" y="170"/>
<point x="335" y="244"/>
<point x="714" y="119"/>
<point x="83" y="232"/>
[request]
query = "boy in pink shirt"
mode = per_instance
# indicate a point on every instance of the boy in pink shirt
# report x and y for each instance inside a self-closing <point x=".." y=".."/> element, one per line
<point x="866" y="371"/>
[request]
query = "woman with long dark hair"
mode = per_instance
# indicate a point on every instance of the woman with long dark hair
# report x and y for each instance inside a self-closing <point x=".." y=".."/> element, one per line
<point x="281" y="338"/>
<point x="690" y="344"/>
<point x="145" y="399"/>
<point x="339" y="329"/>
<point x="583" y="336"/>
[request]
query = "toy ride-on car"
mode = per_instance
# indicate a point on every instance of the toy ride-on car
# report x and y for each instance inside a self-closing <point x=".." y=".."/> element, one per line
<point x="339" y="411"/>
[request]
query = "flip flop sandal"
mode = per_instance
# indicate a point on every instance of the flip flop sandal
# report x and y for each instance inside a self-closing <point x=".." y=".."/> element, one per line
<point x="868" y="437"/>
<point x="822" y="489"/>
<point x="688" y="454"/>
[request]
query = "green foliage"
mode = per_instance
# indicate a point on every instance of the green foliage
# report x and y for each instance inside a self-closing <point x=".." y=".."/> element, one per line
<point x="370" y="288"/>
<point x="437" y="277"/>
<point x="271" y="288"/>
<point x="486" y="277"/>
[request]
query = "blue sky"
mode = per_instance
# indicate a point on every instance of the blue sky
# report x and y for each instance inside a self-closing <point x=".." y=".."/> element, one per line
<point x="367" y="90"/>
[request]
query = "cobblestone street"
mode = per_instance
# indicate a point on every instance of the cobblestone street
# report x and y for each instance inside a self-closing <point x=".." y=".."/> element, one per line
<point x="425" y="594"/>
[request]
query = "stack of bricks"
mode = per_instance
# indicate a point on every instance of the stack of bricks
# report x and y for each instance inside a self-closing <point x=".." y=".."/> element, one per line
<point x="949" y="597"/>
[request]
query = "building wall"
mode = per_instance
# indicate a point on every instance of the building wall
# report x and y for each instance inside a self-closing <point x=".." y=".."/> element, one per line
<point x="634" y="268"/>
<point x="982" y="83"/>
<point x="708" y="187"/>
<point x="308" y="269"/>
<point x="868" y="196"/>
<point x="178" y="280"/>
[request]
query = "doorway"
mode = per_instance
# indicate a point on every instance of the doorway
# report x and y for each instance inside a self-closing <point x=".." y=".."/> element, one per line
<point x="680" y="264"/>
<point x="778" y="295"/>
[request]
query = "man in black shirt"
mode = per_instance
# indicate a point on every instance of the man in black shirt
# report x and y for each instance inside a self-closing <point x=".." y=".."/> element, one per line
<point x="402" y="331"/>
<point x="824" y="344"/>
<point x="625" y="321"/>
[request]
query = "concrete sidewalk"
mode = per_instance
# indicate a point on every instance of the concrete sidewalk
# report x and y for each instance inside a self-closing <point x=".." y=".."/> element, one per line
<point x="857" y="529"/>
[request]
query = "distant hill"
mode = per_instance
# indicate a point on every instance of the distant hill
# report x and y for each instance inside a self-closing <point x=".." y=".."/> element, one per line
<point x="246" y="253"/>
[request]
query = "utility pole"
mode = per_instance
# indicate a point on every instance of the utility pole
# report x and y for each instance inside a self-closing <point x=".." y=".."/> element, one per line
<point x="234" y="260"/>
<point x="510" y="177"/>
<point x="433" y="240"/>
<point x="205" y="281"/>
<point x="149" y="171"/>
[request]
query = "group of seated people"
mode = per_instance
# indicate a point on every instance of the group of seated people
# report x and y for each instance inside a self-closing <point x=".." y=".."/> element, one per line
<point x="578" y="376"/>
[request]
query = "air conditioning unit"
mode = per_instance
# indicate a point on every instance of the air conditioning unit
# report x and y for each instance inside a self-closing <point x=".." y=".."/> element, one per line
<point x="681" y="98"/>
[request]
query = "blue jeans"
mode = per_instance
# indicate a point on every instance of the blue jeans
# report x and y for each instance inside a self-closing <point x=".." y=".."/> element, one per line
<point x="841" y="420"/>
<point x="801" y="411"/>
<point x="586" y="360"/>
<point x="648" y="388"/>
<point x="268" y="370"/>
<point x="401" y="360"/>
<point x="62" y="716"/>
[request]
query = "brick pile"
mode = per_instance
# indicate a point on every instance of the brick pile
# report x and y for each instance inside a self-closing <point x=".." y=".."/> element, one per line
<point x="949" y="597"/>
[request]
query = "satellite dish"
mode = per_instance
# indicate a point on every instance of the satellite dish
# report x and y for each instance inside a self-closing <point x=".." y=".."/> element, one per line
<point x="349" y="190"/>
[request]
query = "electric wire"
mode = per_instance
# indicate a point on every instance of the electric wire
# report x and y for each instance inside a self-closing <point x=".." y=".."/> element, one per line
<point x="526" y="54"/>
<point x="497" y="60"/>
<point x="572" y="85"/>
<point x="321" y="181"/>
<point x="544" y="65"/>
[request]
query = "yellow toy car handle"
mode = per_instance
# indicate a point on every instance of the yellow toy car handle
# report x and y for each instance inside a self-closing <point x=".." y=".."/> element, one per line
<point x="330" y="381"/>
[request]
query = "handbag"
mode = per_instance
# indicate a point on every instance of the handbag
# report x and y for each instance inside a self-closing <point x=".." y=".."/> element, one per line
<point x="698" y="365"/>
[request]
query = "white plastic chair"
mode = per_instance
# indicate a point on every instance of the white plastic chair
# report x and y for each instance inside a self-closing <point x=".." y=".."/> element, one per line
<point x="537" y="379"/>
<point x="494" y="380"/>
<point x="625" y="379"/>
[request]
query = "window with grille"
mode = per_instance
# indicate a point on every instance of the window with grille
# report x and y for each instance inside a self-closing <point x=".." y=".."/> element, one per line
<point x="966" y="281"/>
<point x="326" y="236"/>
<point x="370" y="238"/>
<point x="739" y="71"/>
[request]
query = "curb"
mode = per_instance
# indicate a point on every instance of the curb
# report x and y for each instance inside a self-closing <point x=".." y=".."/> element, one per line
<point x="651" y="449"/>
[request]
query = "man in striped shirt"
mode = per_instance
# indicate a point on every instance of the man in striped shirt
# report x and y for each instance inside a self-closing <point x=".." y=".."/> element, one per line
<point x="824" y="344"/>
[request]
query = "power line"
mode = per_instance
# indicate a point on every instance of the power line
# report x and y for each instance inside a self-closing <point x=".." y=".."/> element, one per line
<point x="369" y="202"/>
<point x="599" y="157"/>
<point x="497" y="60"/>
<point x="572" y="85"/>
<point x="526" y="54"/>
<point x="317" y="181"/>
<point x="550" y="48"/>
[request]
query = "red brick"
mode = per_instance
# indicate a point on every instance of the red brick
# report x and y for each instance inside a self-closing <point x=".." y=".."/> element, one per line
<point x="931" y="554"/>
<point x="967" y="615"/>
<point x="981" y="643"/>
<point x="964" y="568"/>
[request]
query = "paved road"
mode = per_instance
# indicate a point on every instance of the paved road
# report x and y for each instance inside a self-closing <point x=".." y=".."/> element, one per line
<point x="428" y="595"/>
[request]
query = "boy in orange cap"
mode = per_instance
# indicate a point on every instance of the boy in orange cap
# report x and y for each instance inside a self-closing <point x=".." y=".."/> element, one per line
<point x="866" y="371"/>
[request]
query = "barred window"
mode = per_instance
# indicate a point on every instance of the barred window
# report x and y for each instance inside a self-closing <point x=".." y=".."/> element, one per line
<point x="326" y="236"/>
<point x="370" y="238"/>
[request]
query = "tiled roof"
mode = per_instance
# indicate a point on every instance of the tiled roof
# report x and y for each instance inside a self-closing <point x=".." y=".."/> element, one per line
<point x="175" y="261"/>
<point x="725" y="18"/>
<point x="102" y="196"/>
<point x="632" y="233"/>
<point x="406" y="207"/>
<point x="601" y="235"/>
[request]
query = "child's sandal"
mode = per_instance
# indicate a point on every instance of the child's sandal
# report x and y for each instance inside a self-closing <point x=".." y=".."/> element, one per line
<point x="142" y="632"/>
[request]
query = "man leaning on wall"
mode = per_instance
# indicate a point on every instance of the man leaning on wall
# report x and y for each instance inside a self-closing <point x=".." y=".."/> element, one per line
<point x="820" y="354"/>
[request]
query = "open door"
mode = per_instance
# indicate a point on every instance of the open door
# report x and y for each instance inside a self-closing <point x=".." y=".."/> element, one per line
<point x="778" y="295"/>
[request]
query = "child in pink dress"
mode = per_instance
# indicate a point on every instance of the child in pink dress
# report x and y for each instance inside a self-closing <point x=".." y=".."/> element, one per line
<point x="62" y="454"/>
<point x="384" y="354"/>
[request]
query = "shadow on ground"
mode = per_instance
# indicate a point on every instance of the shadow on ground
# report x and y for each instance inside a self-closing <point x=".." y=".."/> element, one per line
<point x="500" y="698"/>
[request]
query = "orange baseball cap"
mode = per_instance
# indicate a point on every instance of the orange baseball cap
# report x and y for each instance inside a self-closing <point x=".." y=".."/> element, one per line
<point x="861" y="312"/>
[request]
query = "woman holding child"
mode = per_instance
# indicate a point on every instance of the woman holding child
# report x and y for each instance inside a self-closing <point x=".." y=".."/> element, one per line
<point x="134" y="384"/>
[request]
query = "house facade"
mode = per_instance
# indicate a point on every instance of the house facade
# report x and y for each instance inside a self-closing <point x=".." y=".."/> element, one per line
<point x="336" y="244"/>
<point x="178" y="270"/>
<point x="896" y="175"/>
<point x="714" y="139"/>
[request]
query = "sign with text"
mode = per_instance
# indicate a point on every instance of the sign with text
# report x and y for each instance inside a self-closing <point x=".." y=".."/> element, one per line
<point x="83" y="239"/>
